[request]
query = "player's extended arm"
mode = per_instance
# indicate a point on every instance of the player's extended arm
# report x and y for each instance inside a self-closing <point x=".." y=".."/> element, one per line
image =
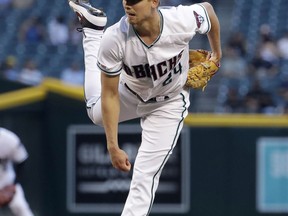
<point x="110" y="113"/>
<point x="214" y="34"/>
<point x="200" y="73"/>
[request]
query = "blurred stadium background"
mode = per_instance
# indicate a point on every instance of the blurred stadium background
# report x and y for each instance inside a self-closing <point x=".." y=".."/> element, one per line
<point x="251" y="35"/>
<point x="246" y="101"/>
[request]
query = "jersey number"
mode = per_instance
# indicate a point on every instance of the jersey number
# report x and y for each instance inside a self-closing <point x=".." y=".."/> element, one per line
<point x="176" y="70"/>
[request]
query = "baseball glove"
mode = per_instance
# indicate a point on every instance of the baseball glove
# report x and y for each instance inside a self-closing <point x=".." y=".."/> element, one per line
<point x="7" y="194"/>
<point x="201" y="69"/>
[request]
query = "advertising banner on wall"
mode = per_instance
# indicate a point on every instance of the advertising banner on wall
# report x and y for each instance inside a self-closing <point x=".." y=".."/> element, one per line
<point x="94" y="186"/>
<point x="272" y="175"/>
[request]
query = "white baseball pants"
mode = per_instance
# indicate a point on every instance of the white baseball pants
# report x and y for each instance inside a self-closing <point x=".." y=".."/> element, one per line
<point x="19" y="206"/>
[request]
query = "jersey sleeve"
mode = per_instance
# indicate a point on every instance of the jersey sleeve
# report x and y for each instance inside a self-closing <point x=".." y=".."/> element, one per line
<point x="19" y="154"/>
<point x="109" y="56"/>
<point x="200" y="19"/>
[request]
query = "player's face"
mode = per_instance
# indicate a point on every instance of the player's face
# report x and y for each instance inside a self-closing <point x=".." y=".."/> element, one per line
<point x="139" y="10"/>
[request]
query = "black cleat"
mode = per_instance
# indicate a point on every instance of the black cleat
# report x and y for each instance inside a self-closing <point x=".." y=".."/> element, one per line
<point x="88" y="16"/>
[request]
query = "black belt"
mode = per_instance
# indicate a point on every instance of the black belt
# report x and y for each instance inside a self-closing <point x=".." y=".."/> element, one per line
<point x="151" y="100"/>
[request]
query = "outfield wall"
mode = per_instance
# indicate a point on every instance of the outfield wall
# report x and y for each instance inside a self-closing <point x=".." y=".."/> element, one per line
<point x="238" y="164"/>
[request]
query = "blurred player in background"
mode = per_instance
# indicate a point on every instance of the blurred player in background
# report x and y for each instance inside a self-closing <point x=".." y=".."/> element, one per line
<point x="12" y="152"/>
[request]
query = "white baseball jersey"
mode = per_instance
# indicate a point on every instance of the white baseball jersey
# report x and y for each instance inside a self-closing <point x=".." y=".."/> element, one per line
<point x="156" y="69"/>
<point x="11" y="150"/>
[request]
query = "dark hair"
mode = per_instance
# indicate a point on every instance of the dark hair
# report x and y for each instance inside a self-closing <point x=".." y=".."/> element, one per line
<point x="132" y="2"/>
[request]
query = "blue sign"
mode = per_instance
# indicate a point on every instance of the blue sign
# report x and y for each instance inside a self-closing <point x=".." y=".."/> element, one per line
<point x="272" y="175"/>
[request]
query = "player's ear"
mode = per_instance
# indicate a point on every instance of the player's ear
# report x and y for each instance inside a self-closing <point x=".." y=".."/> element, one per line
<point x="155" y="3"/>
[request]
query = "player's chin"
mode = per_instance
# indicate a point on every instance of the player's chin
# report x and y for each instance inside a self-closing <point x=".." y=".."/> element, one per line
<point x="132" y="20"/>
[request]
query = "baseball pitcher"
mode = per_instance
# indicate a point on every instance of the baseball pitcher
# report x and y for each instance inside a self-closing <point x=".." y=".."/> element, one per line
<point x="139" y="68"/>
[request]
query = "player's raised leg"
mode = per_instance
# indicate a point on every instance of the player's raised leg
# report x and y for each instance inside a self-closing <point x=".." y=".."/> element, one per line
<point x="93" y="22"/>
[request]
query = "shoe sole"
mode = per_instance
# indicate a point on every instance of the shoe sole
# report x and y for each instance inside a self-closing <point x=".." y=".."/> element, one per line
<point x="84" y="12"/>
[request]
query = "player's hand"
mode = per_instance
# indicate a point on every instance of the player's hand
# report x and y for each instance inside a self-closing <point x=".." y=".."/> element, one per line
<point x="7" y="194"/>
<point x="119" y="159"/>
